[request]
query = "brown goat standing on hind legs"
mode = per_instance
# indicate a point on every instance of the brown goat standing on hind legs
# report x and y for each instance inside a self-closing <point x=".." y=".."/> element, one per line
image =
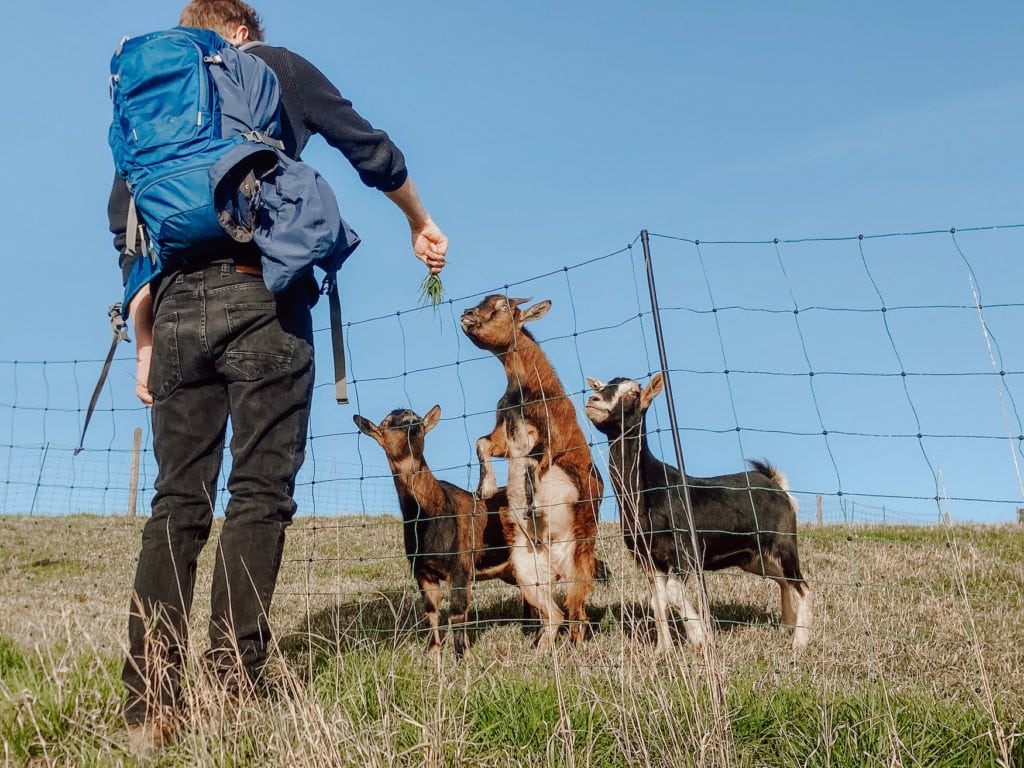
<point x="747" y="519"/>
<point x="553" y="488"/>
<point x="449" y="533"/>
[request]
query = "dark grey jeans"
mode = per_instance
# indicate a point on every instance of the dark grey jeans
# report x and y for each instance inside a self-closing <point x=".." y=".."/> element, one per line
<point x="223" y="347"/>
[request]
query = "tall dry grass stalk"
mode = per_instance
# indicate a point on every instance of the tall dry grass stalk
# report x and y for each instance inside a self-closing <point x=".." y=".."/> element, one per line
<point x="1000" y="384"/>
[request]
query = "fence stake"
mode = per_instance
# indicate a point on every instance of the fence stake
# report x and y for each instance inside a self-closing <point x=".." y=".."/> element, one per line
<point x="663" y="361"/>
<point x="1020" y="516"/>
<point x="817" y="500"/>
<point x="715" y="680"/>
<point x="39" y="479"/>
<point x="133" y="473"/>
<point x="698" y="570"/>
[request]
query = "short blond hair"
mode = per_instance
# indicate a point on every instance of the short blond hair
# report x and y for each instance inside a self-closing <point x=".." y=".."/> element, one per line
<point x="223" y="17"/>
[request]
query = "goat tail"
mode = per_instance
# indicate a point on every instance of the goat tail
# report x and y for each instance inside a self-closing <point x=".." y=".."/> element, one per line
<point x="776" y="476"/>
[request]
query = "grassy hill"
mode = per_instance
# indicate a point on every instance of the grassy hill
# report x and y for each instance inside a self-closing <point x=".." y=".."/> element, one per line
<point x="915" y="659"/>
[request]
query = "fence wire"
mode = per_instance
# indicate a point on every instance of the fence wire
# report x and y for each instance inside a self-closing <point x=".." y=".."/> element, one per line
<point x="882" y="374"/>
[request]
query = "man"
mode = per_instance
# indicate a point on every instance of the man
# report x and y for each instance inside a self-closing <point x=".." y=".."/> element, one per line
<point x="212" y="344"/>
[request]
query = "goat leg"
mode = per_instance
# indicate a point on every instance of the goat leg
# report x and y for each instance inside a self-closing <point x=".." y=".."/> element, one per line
<point x="458" y="613"/>
<point x="494" y="444"/>
<point x="531" y="559"/>
<point x="692" y="620"/>
<point x="659" y="607"/>
<point x="431" y="591"/>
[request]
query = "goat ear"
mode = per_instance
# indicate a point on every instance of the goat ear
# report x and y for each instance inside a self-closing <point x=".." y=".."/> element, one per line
<point x="367" y="427"/>
<point x="536" y="312"/>
<point x="595" y="384"/>
<point x="431" y="419"/>
<point x="652" y="390"/>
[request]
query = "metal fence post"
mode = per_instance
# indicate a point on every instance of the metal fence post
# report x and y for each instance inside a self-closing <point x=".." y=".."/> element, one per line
<point x="663" y="361"/>
<point x="716" y="686"/>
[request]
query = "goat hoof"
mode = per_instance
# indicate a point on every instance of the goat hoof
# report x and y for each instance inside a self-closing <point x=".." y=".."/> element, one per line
<point x="800" y="640"/>
<point x="545" y="644"/>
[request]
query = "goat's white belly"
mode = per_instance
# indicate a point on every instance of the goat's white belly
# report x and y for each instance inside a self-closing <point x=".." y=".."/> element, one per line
<point x="563" y="562"/>
<point x="553" y="499"/>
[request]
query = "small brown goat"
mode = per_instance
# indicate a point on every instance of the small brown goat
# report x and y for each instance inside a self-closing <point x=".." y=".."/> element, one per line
<point x="450" y="534"/>
<point x="554" y="489"/>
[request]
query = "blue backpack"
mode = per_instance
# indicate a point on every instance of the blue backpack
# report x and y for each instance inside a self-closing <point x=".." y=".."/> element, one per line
<point x="195" y="135"/>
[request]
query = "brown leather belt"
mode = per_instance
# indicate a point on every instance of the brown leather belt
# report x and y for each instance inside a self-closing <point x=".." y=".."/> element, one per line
<point x="249" y="269"/>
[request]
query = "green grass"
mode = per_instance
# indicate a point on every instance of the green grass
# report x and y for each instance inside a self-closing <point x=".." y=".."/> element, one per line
<point x="432" y="290"/>
<point x="903" y="669"/>
<point x="803" y="726"/>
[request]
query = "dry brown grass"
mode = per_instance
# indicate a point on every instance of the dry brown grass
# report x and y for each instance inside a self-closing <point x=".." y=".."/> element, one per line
<point x="896" y="610"/>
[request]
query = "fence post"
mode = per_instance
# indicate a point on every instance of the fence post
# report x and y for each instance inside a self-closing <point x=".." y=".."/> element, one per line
<point x="1020" y="516"/>
<point x="39" y="479"/>
<point x="133" y="473"/>
<point x="817" y="501"/>
<point x="663" y="360"/>
<point x="716" y="686"/>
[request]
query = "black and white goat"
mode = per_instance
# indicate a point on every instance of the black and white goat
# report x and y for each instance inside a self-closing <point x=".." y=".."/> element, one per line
<point x="747" y="519"/>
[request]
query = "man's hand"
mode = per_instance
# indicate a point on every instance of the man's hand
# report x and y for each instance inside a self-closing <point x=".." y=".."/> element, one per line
<point x="143" y="357"/>
<point x="430" y="246"/>
<point x="428" y="241"/>
<point x="140" y="312"/>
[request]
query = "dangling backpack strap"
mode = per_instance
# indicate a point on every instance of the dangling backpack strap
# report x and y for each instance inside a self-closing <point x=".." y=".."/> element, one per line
<point x="120" y="329"/>
<point x="133" y="230"/>
<point x="330" y="287"/>
<point x="135" y="234"/>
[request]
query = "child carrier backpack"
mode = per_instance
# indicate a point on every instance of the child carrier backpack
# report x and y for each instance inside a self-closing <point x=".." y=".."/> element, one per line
<point x="167" y="131"/>
<point x="195" y="135"/>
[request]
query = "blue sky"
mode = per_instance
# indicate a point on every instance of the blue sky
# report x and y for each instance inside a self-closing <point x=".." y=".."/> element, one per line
<point x="543" y="135"/>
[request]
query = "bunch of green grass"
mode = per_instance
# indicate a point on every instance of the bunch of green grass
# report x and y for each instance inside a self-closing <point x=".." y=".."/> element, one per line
<point x="432" y="290"/>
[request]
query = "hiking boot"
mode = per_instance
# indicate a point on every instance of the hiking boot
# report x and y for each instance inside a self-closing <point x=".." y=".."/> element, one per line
<point x="147" y="738"/>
